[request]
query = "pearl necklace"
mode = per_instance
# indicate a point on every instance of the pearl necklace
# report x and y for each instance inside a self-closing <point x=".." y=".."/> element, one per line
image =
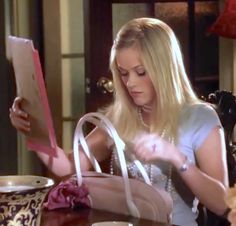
<point x="141" y="118"/>
<point x="148" y="167"/>
<point x="168" y="187"/>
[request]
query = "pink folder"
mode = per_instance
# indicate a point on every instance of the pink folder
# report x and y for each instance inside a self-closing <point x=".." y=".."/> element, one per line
<point x="30" y="85"/>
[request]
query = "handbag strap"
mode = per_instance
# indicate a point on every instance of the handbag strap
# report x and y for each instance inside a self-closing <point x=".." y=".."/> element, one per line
<point x="96" y="119"/>
<point x="101" y="121"/>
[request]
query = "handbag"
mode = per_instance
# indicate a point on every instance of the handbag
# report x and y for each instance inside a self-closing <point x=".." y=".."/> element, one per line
<point x="118" y="194"/>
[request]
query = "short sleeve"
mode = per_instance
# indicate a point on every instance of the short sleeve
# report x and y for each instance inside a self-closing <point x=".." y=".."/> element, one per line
<point x="204" y="119"/>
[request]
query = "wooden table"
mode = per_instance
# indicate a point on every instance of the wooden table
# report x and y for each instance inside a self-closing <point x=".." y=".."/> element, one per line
<point x="85" y="217"/>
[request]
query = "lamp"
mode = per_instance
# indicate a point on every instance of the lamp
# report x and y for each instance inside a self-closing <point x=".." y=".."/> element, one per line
<point x="225" y="24"/>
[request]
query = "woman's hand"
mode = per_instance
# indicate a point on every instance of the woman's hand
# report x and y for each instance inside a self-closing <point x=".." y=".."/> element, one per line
<point x="19" y="118"/>
<point x="151" y="148"/>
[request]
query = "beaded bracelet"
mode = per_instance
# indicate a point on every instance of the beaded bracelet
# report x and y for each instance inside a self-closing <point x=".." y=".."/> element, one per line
<point x="185" y="165"/>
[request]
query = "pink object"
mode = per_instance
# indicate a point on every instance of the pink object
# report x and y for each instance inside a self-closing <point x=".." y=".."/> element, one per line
<point x="31" y="87"/>
<point x="67" y="194"/>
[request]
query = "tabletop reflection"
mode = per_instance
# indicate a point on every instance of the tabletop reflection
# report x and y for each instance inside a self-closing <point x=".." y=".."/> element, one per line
<point x="86" y="217"/>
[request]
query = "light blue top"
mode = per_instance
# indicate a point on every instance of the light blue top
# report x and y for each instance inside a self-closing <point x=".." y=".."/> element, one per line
<point x="196" y="122"/>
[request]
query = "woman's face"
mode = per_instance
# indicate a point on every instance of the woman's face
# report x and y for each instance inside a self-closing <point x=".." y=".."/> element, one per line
<point x="135" y="77"/>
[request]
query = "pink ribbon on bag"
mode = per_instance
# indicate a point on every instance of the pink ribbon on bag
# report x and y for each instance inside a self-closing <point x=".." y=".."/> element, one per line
<point x="67" y="194"/>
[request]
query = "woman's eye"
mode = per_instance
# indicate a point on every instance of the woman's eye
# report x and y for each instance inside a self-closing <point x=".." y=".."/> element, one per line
<point x="123" y="73"/>
<point x="141" y="73"/>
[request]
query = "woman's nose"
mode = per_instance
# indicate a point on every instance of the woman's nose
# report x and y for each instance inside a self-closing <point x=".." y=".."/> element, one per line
<point x="131" y="81"/>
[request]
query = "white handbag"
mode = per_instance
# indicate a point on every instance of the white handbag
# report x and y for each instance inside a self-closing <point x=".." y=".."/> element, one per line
<point x="119" y="194"/>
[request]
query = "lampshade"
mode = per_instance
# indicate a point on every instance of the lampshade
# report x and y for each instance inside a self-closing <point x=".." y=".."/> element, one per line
<point x="225" y="24"/>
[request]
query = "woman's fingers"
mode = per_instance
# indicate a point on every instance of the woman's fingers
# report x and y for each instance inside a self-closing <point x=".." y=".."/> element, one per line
<point x="16" y="104"/>
<point x="17" y="113"/>
<point x="19" y="120"/>
<point x="16" y="108"/>
<point x="21" y="125"/>
<point x="152" y="147"/>
<point x="146" y="147"/>
<point x="18" y="100"/>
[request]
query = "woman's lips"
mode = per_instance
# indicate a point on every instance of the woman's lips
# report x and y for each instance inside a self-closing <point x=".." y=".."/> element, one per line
<point x="135" y="94"/>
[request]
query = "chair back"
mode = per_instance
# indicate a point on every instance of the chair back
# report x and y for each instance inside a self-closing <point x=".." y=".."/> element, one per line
<point x="225" y="105"/>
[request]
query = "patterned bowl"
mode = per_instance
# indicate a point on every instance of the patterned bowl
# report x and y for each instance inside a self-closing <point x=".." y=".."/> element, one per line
<point x="21" y="199"/>
<point x="112" y="223"/>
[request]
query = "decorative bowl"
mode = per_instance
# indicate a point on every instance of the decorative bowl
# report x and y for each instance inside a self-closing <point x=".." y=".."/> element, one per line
<point x="112" y="223"/>
<point x="21" y="199"/>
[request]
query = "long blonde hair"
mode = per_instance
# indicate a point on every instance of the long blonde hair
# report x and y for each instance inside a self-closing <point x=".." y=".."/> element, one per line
<point x="162" y="59"/>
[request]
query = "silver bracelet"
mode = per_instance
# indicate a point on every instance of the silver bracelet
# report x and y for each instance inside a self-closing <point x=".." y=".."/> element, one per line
<point x="185" y="165"/>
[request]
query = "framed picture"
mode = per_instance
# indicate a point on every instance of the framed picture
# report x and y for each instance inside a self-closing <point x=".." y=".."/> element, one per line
<point x="31" y="87"/>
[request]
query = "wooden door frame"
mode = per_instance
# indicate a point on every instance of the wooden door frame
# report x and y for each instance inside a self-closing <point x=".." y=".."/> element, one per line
<point x="52" y="63"/>
<point x="8" y="139"/>
<point x="97" y="16"/>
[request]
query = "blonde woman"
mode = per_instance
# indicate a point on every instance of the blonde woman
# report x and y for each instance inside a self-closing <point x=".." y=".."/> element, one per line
<point x="178" y="138"/>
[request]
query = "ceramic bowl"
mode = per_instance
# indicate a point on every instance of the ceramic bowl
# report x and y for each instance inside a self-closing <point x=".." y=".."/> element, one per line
<point x="112" y="223"/>
<point x="21" y="199"/>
